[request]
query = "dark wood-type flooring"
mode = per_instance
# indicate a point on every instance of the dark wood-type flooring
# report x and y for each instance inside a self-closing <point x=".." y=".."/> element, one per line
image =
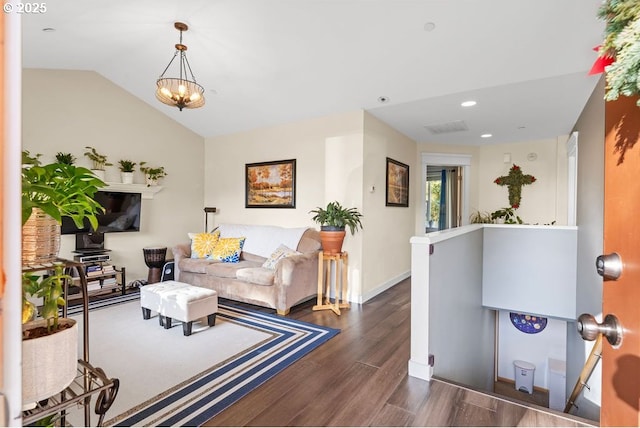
<point x="359" y="378"/>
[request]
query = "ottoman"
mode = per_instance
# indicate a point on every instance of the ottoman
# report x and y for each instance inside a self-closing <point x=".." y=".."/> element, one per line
<point x="179" y="301"/>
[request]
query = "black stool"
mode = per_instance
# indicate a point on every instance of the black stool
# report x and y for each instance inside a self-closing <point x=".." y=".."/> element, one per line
<point x="154" y="258"/>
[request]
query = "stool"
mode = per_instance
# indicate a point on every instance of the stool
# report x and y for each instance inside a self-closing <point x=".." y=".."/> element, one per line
<point x="154" y="258"/>
<point x="179" y="301"/>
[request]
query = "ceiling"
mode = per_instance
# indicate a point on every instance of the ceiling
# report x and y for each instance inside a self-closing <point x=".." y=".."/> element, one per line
<point x="269" y="62"/>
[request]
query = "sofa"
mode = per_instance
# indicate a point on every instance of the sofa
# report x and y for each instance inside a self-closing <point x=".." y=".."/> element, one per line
<point x="261" y="274"/>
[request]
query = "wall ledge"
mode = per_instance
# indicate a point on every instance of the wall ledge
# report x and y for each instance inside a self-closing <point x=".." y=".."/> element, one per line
<point x="148" y="192"/>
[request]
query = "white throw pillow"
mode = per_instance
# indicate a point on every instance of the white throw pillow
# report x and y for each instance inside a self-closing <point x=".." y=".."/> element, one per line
<point x="281" y="252"/>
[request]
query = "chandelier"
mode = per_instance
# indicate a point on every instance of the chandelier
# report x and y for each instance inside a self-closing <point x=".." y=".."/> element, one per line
<point x="181" y="92"/>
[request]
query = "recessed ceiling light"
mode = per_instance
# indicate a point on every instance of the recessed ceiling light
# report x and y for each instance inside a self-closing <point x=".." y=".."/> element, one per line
<point x="48" y="30"/>
<point x="486" y="136"/>
<point x="383" y="99"/>
<point x="469" y="103"/>
<point x="429" y="26"/>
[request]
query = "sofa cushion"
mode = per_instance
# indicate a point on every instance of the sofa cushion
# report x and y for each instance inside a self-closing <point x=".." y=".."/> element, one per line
<point x="196" y="265"/>
<point x="202" y="244"/>
<point x="281" y="252"/>
<point x="227" y="270"/>
<point x="228" y="249"/>
<point x="256" y="275"/>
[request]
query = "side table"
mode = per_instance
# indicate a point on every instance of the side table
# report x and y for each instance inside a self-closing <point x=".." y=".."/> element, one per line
<point x="338" y="264"/>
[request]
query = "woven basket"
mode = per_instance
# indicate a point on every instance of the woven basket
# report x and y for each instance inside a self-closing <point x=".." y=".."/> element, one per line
<point x="40" y="238"/>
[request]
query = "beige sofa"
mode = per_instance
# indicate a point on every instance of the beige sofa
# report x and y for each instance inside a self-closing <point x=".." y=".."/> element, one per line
<point x="294" y="279"/>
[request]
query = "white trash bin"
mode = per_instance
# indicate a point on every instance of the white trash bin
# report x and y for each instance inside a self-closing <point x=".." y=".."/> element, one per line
<point x="524" y="375"/>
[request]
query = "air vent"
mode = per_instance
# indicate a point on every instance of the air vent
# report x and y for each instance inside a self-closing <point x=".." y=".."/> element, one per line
<point x="446" y="127"/>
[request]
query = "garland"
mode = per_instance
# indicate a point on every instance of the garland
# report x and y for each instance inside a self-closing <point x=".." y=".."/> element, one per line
<point x="514" y="182"/>
<point x="621" y="47"/>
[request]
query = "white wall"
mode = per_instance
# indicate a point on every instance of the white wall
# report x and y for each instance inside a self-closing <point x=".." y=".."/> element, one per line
<point x="590" y="221"/>
<point x="104" y="116"/>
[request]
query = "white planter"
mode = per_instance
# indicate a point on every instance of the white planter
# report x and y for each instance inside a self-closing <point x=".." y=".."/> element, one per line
<point x="127" y="177"/>
<point x="98" y="173"/>
<point x="49" y="363"/>
<point x="151" y="181"/>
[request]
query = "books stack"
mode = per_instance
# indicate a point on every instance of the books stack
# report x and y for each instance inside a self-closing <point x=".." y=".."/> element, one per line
<point x="107" y="269"/>
<point x="93" y="271"/>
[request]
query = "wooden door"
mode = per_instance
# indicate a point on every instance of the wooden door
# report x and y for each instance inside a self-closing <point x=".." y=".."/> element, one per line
<point x="621" y="366"/>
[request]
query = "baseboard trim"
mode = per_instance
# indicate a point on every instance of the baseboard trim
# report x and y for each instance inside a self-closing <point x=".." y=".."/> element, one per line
<point x="383" y="287"/>
<point x="513" y="382"/>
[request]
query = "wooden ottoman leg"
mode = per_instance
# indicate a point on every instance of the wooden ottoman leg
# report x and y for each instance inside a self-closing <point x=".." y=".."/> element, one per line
<point x="167" y="323"/>
<point x="146" y="313"/>
<point x="211" y="320"/>
<point x="186" y="328"/>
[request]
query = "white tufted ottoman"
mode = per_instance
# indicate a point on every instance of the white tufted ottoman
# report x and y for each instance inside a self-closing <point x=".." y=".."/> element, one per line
<point x="179" y="301"/>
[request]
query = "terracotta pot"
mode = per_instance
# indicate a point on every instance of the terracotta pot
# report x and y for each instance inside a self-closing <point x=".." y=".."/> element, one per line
<point x="49" y="363"/>
<point x="331" y="240"/>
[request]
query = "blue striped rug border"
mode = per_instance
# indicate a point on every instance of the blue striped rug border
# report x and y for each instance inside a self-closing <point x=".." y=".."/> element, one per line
<point x="201" y="410"/>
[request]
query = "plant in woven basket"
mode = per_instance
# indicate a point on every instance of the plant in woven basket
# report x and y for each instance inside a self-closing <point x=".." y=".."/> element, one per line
<point x="50" y="289"/>
<point x="99" y="160"/>
<point x="152" y="174"/>
<point x="59" y="190"/>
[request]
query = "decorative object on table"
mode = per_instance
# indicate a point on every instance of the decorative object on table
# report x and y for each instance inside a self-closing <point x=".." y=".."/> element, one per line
<point x="50" y="344"/>
<point x="99" y="161"/>
<point x="154" y="258"/>
<point x="333" y="221"/>
<point x="126" y="170"/>
<point x="397" y="184"/>
<point x="50" y="192"/>
<point x="530" y="324"/>
<point x="152" y="174"/>
<point x="181" y="91"/>
<point x="270" y="184"/>
<point x="514" y="182"/>
<point x="618" y="54"/>
<point x="66" y="158"/>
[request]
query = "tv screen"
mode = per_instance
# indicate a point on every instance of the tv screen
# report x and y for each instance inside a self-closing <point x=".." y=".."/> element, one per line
<point x="122" y="214"/>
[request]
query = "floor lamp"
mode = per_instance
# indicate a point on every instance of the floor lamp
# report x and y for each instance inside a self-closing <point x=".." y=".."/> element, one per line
<point x="207" y="210"/>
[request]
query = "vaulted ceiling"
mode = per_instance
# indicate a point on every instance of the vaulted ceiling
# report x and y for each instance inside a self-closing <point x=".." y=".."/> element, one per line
<point x="408" y="62"/>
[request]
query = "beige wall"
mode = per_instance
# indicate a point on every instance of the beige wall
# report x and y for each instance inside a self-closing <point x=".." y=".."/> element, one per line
<point x="68" y="110"/>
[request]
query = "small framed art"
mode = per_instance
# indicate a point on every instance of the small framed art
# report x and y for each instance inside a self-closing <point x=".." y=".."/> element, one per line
<point x="270" y="184"/>
<point x="397" y="189"/>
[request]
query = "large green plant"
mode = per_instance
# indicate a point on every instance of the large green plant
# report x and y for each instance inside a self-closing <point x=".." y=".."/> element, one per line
<point x="59" y="190"/>
<point x="336" y="216"/>
<point x="50" y="289"/>
<point x="622" y="44"/>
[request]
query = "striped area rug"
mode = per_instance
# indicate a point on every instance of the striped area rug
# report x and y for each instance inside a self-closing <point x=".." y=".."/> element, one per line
<point x="194" y="402"/>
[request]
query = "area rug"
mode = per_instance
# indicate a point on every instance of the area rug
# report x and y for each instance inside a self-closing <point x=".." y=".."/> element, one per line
<point x="167" y="379"/>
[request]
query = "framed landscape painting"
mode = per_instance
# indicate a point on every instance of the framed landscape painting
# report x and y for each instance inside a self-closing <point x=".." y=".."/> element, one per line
<point x="271" y="184"/>
<point x="397" y="190"/>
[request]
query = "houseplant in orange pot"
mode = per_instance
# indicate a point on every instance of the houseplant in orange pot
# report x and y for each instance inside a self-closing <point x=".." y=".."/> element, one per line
<point x="333" y="220"/>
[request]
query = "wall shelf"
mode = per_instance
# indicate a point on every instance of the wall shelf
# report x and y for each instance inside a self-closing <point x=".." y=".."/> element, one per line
<point x="148" y="192"/>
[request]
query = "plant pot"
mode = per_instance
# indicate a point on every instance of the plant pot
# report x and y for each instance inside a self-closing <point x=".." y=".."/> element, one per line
<point x="331" y="239"/>
<point x="151" y="181"/>
<point x="49" y="363"/>
<point x="127" y="177"/>
<point x="40" y="238"/>
<point x="98" y="173"/>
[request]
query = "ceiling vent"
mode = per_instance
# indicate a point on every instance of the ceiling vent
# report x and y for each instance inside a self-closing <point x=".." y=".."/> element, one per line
<point x="447" y="127"/>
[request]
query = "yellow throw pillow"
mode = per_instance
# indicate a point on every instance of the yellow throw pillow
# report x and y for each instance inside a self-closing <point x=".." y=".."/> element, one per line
<point x="202" y="244"/>
<point x="228" y="250"/>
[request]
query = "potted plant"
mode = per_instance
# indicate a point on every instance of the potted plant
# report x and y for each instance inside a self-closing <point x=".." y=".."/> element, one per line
<point x="50" y="192"/>
<point x="126" y="170"/>
<point x="333" y="221"/>
<point x="49" y="344"/>
<point x="66" y="158"/>
<point x="152" y="175"/>
<point x="99" y="161"/>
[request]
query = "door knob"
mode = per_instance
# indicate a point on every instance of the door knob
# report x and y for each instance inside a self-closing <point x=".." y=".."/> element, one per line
<point x="611" y="328"/>
<point x="609" y="266"/>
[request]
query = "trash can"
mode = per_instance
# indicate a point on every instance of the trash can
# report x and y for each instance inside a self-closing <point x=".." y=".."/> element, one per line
<point x="524" y="375"/>
<point x="557" y="378"/>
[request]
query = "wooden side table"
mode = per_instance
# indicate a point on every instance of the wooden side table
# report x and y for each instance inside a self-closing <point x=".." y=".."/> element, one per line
<point x="340" y="263"/>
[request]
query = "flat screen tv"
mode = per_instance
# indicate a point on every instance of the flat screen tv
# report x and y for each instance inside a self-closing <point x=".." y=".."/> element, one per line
<point x="122" y="214"/>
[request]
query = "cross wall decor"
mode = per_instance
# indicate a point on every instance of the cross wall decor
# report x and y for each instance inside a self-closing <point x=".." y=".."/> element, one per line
<point x="514" y="182"/>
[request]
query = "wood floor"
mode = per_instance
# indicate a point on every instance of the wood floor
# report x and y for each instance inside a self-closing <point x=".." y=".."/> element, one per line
<point x="359" y="378"/>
